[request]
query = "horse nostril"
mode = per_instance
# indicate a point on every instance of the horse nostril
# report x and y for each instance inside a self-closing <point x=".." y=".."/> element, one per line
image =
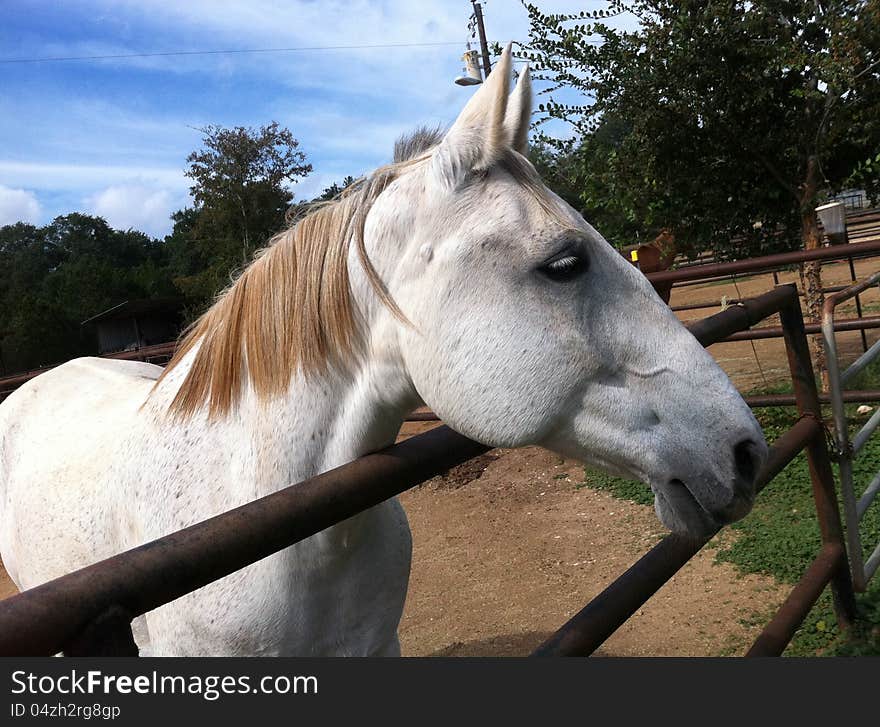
<point x="745" y="460"/>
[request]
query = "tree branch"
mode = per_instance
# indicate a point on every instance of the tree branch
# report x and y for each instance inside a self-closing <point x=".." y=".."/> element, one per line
<point x="782" y="181"/>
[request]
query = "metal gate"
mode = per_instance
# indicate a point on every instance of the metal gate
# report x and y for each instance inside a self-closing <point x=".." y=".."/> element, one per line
<point x="848" y="449"/>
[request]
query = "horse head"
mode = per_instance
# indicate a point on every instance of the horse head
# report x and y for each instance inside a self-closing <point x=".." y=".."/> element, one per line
<point x="454" y="277"/>
<point x="524" y="326"/>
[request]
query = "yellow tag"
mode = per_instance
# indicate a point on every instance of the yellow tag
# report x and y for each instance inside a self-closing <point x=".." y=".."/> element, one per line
<point x="634" y="256"/>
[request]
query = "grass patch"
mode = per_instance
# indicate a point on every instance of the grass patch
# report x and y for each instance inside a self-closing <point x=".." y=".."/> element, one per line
<point x="780" y="537"/>
<point x="619" y="487"/>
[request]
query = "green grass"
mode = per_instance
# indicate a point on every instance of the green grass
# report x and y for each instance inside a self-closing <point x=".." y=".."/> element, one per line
<point x="780" y="537"/>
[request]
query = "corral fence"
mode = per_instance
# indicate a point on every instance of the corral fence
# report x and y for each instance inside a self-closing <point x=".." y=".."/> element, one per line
<point x="848" y="450"/>
<point x="697" y="274"/>
<point x="89" y="612"/>
<point x="861" y="226"/>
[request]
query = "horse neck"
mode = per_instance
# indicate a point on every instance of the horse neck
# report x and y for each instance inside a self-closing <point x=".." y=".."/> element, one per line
<point x="320" y="422"/>
<point x="324" y="418"/>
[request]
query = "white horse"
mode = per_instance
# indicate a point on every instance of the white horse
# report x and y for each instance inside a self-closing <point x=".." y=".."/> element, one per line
<point x="451" y="278"/>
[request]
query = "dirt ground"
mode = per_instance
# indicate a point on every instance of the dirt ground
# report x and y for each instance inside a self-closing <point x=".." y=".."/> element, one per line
<point x="745" y="363"/>
<point x="502" y="561"/>
<point x="7" y="587"/>
<point x="509" y="546"/>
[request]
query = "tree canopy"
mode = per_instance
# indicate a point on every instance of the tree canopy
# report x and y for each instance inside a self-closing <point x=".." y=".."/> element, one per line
<point x="54" y="277"/>
<point x="241" y="196"/>
<point x="725" y="121"/>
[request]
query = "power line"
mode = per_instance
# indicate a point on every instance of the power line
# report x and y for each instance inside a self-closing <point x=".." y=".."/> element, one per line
<point x="221" y="52"/>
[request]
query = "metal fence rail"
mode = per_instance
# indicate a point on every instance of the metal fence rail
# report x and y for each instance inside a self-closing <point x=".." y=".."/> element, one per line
<point x="848" y="324"/>
<point x="848" y="449"/>
<point x="158" y="353"/>
<point x="767" y="262"/>
<point x="88" y="612"/>
<point x="104" y="597"/>
<point x="733" y="301"/>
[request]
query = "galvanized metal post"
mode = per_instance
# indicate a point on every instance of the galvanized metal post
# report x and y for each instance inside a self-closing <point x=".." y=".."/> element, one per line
<point x="852" y="276"/>
<point x="847" y="450"/>
<point x="821" y="475"/>
<point x="844" y="450"/>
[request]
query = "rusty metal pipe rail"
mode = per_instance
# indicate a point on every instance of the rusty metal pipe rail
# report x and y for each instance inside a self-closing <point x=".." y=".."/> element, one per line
<point x="767" y="262"/>
<point x="781" y="629"/>
<point x="48" y="619"/>
<point x="733" y="301"/>
<point x="790" y="399"/>
<point x="9" y="383"/>
<point x="723" y="326"/>
<point x="755" y="402"/>
<point x="847" y="324"/>
<point x="608" y="611"/>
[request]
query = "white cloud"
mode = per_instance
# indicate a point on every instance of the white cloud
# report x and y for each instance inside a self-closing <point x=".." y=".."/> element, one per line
<point x="50" y="175"/>
<point x="134" y="206"/>
<point x="120" y="149"/>
<point x="18" y="205"/>
<point x="317" y="182"/>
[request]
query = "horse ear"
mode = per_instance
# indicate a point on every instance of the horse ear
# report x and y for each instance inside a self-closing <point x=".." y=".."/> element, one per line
<point x="479" y="134"/>
<point x="519" y="113"/>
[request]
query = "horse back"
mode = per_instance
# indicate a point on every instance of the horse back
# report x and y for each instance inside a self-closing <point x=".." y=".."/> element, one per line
<point x="58" y="435"/>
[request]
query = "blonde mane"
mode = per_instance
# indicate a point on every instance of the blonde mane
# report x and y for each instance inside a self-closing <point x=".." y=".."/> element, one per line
<point x="291" y="309"/>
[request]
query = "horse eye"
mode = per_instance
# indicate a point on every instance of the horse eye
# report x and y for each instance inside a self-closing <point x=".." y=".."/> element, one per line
<point x="565" y="268"/>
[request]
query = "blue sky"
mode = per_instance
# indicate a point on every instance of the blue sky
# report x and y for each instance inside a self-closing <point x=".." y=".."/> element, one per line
<point x="110" y="137"/>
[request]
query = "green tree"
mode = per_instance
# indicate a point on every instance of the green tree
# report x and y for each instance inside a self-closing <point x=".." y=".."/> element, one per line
<point x="241" y="197"/>
<point x="334" y="190"/>
<point x="741" y="116"/>
<point x="588" y="173"/>
<point x="54" y="277"/>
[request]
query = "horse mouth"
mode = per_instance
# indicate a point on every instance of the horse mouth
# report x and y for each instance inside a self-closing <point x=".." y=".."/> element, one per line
<point x="681" y="512"/>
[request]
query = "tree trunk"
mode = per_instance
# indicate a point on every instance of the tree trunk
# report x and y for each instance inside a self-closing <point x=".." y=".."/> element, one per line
<point x="811" y="272"/>
<point x="813" y="295"/>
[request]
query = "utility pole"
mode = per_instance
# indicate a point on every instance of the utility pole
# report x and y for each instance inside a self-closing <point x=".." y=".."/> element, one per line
<point x="484" y="46"/>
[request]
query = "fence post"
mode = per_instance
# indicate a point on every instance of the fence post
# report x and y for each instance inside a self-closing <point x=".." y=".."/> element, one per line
<point x="821" y="475"/>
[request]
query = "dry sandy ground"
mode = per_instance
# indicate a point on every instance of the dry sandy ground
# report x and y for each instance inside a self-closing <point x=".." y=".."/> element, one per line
<point x="508" y="547"/>
<point x="502" y="561"/>
<point x="740" y="360"/>
<point x="7" y="587"/>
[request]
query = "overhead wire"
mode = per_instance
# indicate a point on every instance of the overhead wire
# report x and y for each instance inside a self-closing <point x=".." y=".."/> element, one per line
<point x="239" y="51"/>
